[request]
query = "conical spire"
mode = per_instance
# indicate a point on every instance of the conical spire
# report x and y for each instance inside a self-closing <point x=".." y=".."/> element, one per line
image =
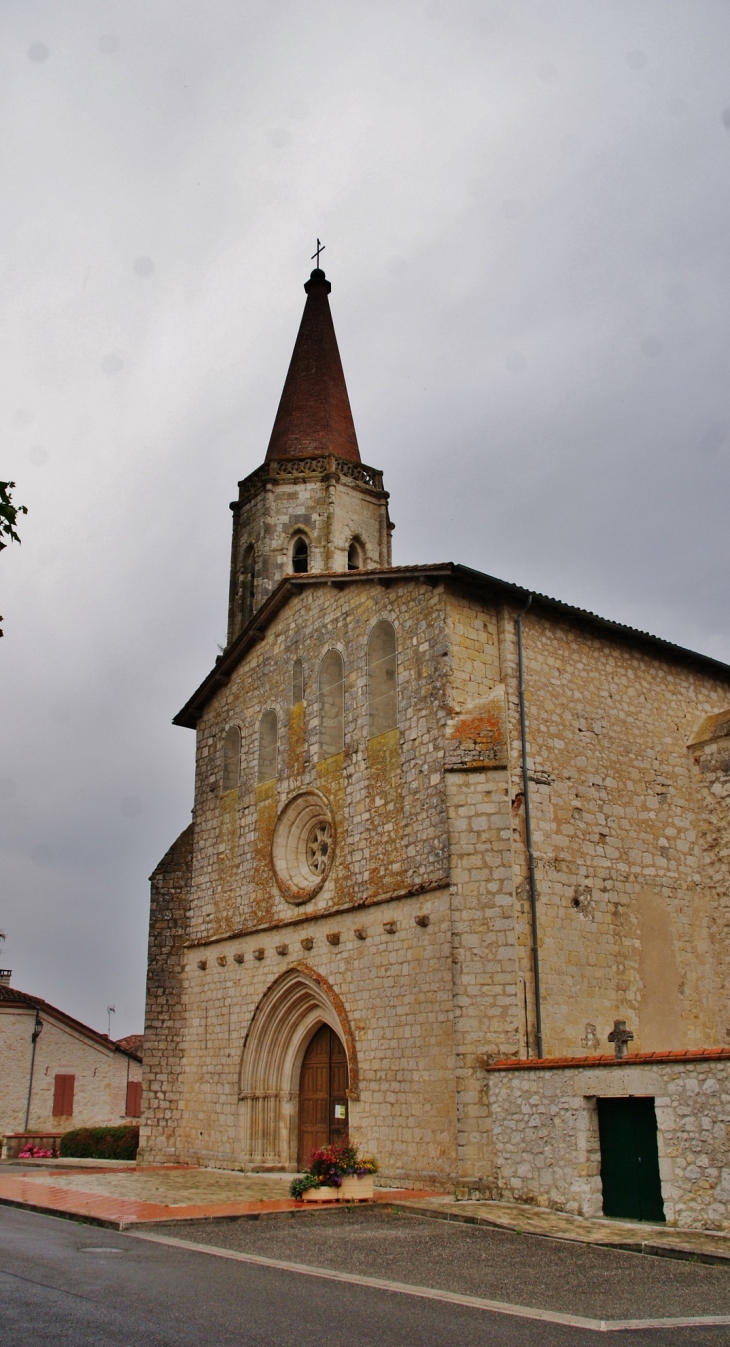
<point x="314" y="415"/>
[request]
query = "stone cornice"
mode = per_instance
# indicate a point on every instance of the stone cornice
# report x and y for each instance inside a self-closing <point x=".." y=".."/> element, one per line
<point x="329" y="914"/>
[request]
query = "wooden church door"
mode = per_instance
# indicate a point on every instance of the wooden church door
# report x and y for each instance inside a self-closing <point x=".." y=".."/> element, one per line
<point x="323" y="1119"/>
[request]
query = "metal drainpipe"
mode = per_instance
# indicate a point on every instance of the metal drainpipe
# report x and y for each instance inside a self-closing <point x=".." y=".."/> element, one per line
<point x="34" y="1038"/>
<point x="528" y="835"/>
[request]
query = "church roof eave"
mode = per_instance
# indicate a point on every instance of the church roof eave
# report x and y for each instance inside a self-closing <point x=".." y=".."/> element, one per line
<point x="463" y="577"/>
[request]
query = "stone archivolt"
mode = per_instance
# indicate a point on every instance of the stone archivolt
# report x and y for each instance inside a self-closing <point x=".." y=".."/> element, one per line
<point x="294" y="1006"/>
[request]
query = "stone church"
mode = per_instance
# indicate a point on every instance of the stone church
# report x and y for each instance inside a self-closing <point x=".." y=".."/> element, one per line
<point x="457" y="883"/>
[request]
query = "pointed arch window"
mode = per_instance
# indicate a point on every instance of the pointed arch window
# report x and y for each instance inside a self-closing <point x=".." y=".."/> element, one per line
<point x="300" y="556"/>
<point x="231" y="759"/>
<point x="382" y="679"/>
<point x="297" y="682"/>
<point x="355" y="555"/>
<point x="331" y="704"/>
<point x="268" y="745"/>
<point x="248" y="587"/>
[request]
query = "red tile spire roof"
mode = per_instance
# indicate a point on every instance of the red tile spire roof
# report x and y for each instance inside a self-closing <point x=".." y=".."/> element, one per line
<point x="314" y="416"/>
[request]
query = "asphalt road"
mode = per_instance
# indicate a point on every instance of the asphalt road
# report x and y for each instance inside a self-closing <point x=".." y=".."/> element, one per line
<point x="63" y="1284"/>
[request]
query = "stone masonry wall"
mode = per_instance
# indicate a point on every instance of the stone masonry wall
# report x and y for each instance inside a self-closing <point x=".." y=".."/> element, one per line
<point x="391" y="791"/>
<point x="709" y="754"/>
<point x="164" y="1034"/>
<point x="547" y="1149"/>
<point x="626" y="892"/>
<point x="395" y="986"/>
<point x="328" y="509"/>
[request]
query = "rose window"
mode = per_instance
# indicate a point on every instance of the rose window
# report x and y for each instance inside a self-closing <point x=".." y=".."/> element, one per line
<point x="303" y="846"/>
<point x="319" y="842"/>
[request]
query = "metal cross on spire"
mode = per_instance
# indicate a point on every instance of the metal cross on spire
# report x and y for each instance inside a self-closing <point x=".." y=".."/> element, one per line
<point x="320" y="249"/>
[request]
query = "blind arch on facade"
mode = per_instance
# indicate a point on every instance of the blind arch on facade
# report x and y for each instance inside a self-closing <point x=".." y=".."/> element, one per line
<point x="268" y="746"/>
<point x="331" y="704"/>
<point x="382" y="679"/>
<point x="231" y="758"/>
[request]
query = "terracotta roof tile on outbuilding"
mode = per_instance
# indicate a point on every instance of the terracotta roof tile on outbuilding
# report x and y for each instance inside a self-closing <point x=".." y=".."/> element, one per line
<point x="314" y="415"/>
<point x="608" y="1059"/>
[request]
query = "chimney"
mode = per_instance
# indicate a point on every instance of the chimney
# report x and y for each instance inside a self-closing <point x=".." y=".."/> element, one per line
<point x="5" y="976"/>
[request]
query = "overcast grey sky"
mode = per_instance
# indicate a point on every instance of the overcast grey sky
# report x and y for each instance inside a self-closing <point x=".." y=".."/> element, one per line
<point x="526" y="213"/>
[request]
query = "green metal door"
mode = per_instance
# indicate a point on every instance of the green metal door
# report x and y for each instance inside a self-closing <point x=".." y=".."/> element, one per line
<point x="630" y="1159"/>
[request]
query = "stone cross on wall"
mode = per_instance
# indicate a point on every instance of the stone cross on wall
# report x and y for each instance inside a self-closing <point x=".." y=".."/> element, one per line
<point x="620" y="1036"/>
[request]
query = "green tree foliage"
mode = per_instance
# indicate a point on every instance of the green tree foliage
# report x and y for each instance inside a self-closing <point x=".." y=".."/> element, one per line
<point x="8" y="520"/>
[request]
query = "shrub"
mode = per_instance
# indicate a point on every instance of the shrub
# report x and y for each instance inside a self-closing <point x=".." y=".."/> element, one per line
<point x="100" y="1143"/>
<point x="299" y="1186"/>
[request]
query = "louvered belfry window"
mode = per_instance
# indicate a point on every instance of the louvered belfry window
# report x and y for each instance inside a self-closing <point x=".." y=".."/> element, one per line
<point x="63" y="1096"/>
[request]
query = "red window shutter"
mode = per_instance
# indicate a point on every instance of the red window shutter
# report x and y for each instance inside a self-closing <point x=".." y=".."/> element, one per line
<point x="63" y="1096"/>
<point x="134" y="1098"/>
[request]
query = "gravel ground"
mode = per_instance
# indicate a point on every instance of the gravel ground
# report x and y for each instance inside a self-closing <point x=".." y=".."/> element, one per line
<point x="495" y="1264"/>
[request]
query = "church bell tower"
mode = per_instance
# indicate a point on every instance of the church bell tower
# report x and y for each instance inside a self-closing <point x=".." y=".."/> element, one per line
<point x="313" y="505"/>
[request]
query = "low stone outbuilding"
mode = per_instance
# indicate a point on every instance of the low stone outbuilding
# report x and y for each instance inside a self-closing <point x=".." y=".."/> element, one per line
<point x="59" y="1074"/>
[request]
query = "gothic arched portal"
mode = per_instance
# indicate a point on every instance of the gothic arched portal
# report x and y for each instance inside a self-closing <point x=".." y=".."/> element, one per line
<point x="284" y="1025"/>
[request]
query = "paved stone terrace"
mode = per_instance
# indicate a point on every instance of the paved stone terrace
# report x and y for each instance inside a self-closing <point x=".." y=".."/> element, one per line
<point x="636" y="1236"/>
<point x="123" y="1198"/>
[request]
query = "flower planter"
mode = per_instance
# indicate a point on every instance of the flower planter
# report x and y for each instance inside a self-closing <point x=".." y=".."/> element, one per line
<point x="356" y="1188"/>
<point x="323" y="1194"/>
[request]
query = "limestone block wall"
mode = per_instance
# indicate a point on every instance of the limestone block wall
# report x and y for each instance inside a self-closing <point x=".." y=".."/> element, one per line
<point x="100" y="1093"/>
<point x="391" y="979"/>
<point x="627" y="894"/>
<point x="709" y="754"/>
<point x="164" y="1042"/>
<point x="16" y="1027"/>
<point x="546" y="1142"/>
<point x="387" y="799"/>
<point x="486" y="986"/>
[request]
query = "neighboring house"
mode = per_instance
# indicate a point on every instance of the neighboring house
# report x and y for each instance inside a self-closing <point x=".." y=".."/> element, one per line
<point x="57" y="1073"/>
<point x="347" y="935"/>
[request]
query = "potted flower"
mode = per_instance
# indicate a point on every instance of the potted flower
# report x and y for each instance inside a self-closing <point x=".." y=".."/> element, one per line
<point x="335" y="1174"/>
<point x="357" y="1175"/>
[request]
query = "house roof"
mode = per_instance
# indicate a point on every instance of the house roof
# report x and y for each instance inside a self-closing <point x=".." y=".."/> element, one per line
<point x="10" y="997"/>
<point x="463" y="577"/>
<point x="133" y="1043"/>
